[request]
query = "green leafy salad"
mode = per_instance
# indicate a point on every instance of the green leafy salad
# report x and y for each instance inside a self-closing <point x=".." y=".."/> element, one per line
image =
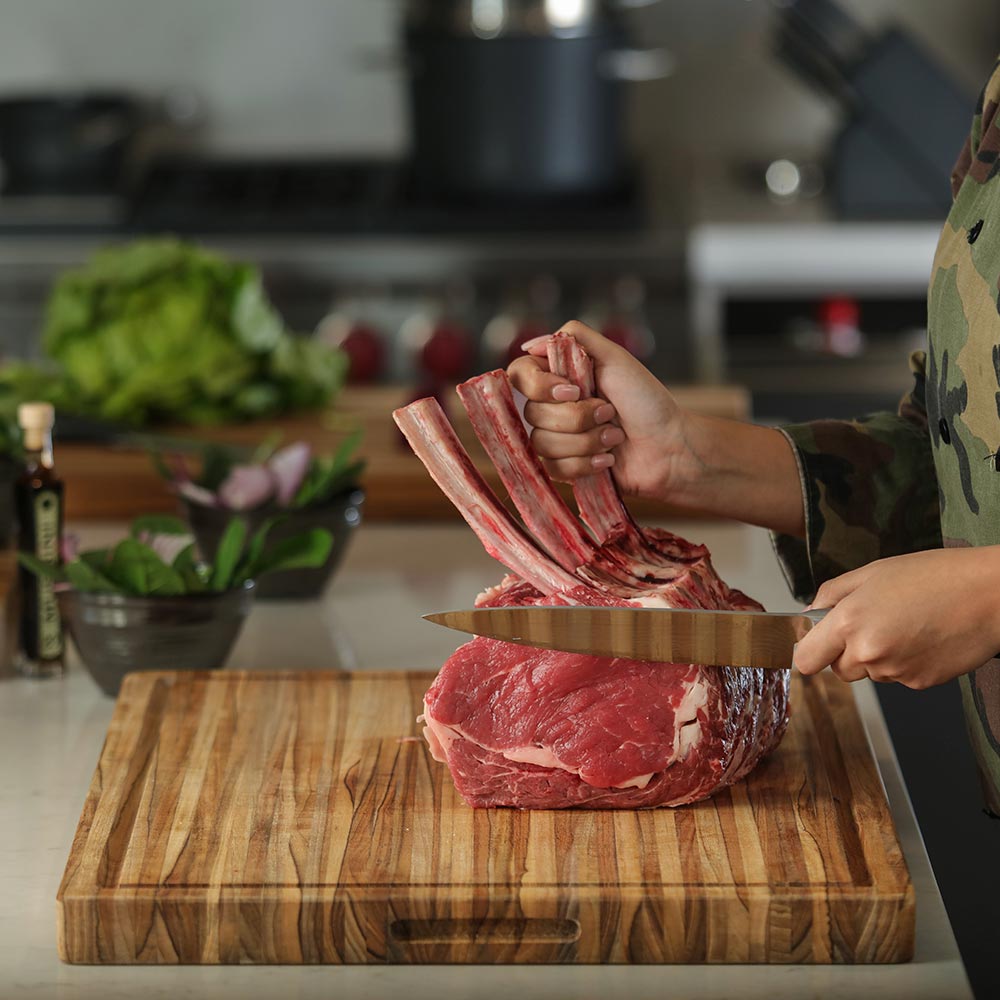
<point x="161" y="331"/>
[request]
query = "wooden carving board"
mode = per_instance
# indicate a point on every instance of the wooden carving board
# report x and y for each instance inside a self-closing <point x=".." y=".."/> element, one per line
<point x="113" y="483"/>
<point x="291" y="818"/>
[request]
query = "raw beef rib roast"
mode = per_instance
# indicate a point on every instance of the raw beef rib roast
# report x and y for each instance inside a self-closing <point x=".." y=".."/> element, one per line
<point x="537" y="729"/>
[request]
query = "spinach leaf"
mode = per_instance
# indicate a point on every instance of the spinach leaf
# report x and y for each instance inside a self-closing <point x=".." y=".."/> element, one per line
<point x="46" y="570"/>
<point x="306" y="551"/>
<point x="227" y="555"/>
<point x="159" y="524"/>
<point x="331" y="476"/>
<point x="137" y="570"/>
<point x="195" y="574"/>
<point x="96" y="559"/>
<point x="255" y="550"/>
<point x="87" y="579"/>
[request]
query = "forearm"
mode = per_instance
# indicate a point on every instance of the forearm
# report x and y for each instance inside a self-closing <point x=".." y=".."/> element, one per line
<point x="742" y="472"/>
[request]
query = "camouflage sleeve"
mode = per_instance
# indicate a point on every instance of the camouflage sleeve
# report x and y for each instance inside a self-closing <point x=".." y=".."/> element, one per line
<point x="978" y="158"/>
<point x="869" y="489"/>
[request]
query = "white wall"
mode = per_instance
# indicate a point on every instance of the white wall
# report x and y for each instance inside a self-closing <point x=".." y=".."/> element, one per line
<point x="276" y="74"/>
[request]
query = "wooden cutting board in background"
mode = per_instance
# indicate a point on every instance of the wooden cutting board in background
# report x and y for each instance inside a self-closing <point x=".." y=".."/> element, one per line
<point x="291" y="818"/>
<point x="114" y="484"/>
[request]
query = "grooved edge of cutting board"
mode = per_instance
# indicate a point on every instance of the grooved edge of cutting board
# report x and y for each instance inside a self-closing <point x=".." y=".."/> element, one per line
<point x="292" y="818"/>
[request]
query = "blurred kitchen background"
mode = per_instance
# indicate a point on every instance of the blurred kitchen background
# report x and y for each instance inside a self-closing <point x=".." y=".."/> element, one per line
<point x="742" y="191"/>
<point x="747" y="193"/>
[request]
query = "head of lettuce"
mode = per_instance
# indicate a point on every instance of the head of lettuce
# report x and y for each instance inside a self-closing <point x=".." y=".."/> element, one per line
<point x="161" y="331"/>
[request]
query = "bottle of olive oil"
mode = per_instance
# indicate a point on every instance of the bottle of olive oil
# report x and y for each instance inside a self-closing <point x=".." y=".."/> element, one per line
<point x="38" y="497"/>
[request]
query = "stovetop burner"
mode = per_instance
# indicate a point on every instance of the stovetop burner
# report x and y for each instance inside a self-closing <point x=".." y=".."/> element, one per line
<point x="335" y="197"/>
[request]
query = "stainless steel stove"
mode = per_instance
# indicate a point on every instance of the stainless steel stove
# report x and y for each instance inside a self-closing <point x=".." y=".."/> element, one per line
<point x="362" y="196"/>
<point x="358" y="241"/>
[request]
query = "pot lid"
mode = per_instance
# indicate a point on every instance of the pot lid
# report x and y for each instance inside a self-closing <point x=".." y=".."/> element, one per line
<point x="501" y="18"/>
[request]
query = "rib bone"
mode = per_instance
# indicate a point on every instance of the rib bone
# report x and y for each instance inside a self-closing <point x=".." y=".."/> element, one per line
<point x="436" y="444"/>
<point x="597" y="496"/>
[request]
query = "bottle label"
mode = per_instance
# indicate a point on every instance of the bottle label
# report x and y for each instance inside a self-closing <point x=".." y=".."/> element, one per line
<point x="50" y="642"/>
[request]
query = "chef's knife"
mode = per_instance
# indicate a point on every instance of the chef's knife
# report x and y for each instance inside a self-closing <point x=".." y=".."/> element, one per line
<point x="720" y="638"/>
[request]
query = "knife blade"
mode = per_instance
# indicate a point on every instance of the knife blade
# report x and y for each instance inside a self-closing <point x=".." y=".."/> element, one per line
<point x="716" y="638"/>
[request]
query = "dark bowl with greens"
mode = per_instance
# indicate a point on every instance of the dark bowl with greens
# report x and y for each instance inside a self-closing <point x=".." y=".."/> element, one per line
<point x="150" y="602"/>
<point x="116" y="635"/>
<point x="292" y="488"/>
<point x="340" y="516"/>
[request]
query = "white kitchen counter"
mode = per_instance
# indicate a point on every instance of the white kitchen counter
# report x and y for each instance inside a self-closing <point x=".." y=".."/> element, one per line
<point x="51" y="734"/>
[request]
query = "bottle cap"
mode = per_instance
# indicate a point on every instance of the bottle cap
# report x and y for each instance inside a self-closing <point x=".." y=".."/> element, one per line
<point x="36" y="416"/>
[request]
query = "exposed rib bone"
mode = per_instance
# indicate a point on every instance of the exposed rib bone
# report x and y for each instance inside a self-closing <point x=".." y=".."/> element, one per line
<point x="436" y="444"/>
<point x="498" y="426"/>
<point x="597" y="496"/>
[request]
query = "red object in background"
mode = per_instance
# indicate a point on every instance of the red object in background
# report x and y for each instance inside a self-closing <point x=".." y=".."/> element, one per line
<point x="365" y="350"/>
<point x="839" y="312"/>
<point x="447" y="354"/>
<point x="634" y="337"/>
<point x="840" y="321"/>
<point x="525" y="332"/>
<point x="618" y="333"/>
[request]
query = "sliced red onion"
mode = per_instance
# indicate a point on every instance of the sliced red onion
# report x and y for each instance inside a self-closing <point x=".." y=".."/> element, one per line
<point x="179" y="467"/>
<point x="289" y="467"/>
<point x="197" y="494"/>
<point x="69" y="548"/>
<point x="247" y="487"/>
<point x="167" y="547"/>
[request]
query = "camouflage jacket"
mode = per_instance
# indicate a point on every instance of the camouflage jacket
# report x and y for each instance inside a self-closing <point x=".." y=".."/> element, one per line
<point x="929" y="474"/>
